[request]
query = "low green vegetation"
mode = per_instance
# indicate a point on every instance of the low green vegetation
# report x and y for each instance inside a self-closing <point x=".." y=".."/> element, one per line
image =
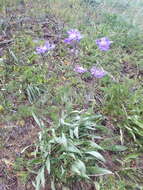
<point x="88" y="127"/>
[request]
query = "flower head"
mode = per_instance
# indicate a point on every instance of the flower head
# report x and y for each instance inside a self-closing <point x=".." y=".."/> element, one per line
<point x="41" y="49"/>
<point x="103" y="43"/>
<point x="45" y="48"/>
<point x="74" y="36"/>
<point x="98" y="72"/>
<point x="80" y="69"/>
<point x="49" y="46"/>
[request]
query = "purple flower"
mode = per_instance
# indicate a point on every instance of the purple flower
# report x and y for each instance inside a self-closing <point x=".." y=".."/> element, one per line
<point x="41" y="49"/>
<point x="74" y="36"/>
<point x="74" y="51"/>
<point x="49" y="46"/>
<point x="80" y="69"/>
<point x="103" y="43"/>
<point x="45" y="48"/>
<point x="98" y="72"/>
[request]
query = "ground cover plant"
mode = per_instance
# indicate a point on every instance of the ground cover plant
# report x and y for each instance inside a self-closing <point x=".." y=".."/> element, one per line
<point x="71" y="101"/>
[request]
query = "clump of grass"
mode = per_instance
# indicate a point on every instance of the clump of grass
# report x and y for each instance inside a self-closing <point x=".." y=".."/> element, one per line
<point x="123" y="102"/>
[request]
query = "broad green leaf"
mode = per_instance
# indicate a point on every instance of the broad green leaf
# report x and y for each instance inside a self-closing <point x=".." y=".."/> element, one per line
<point x="71" y="148"/>
<point x="94" y="145"/>
<point x="53" y="185"/>
<point x="37" y="120"/>
<point x="62" y="170"/>
<point x="48" y="166"/>
<point x="40" y="179"/>
<point x="102" y="128"/>
<point x="13" y="55"/>
<point x="61" y="140"/>
<point x="36" y="161"/>
<point x="131" y="156"/>
<point x="131" y="132"/>
<point x="97" y="185"/>
<point x="97" y="170"/>
<point x="92" y="136"/>
<point x="116" y="148"/>
<point x="136" y="121"/>
<point x="42" y="175"/>
<point x="97" y="155"/>
<point x="76" y="132"/>
<point x="78" y="167"/>
<point x="65" y="123"/>
<point x="90" y="128"/>
<point x="72" y="155"/>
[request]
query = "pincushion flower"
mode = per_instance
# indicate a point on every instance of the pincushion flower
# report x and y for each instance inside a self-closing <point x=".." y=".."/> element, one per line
<point x="98" y="72"/>
<point x="74" y="36"/>
<point x="45" y="48"/>
<point x="103" y="43"/>
<point x="80" y="69"/>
